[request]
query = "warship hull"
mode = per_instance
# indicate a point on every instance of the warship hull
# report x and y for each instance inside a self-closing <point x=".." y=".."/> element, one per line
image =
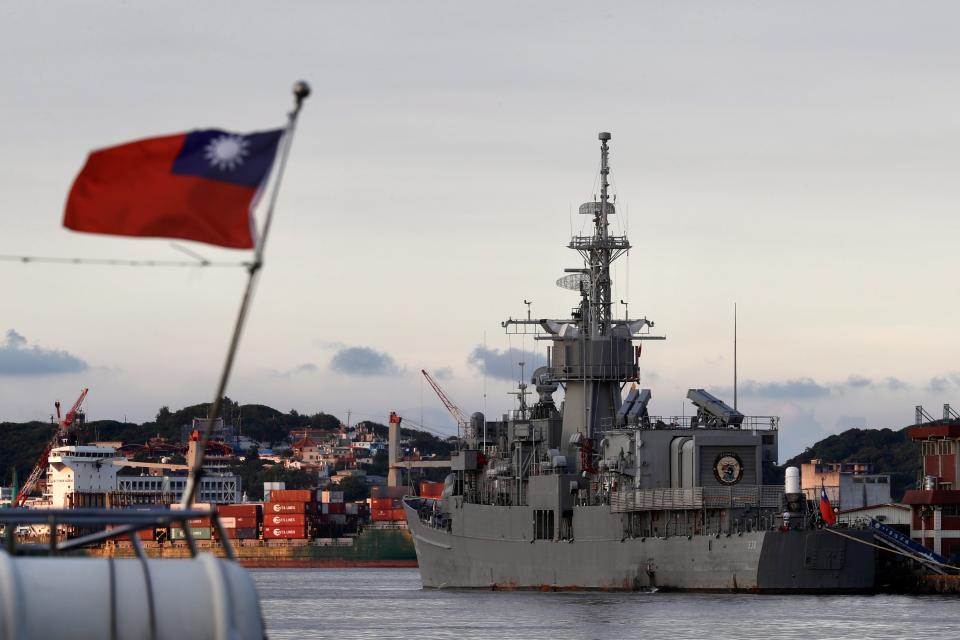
<point x="505" y="557"/>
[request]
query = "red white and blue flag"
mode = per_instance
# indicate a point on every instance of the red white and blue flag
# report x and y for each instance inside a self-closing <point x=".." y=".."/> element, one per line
<point x="200" y="185"/>
<point x="826" y="511"/>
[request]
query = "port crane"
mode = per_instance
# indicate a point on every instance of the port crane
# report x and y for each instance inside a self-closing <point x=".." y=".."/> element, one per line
<point x="63" y="426"/>
<point x="463" y="425"/>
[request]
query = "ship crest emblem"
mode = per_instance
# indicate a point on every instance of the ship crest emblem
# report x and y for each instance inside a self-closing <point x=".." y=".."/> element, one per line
<point x="728" y="468"/>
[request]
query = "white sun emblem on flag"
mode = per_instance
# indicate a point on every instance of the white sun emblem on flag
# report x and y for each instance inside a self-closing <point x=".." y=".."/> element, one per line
<point x="227" y="152"/>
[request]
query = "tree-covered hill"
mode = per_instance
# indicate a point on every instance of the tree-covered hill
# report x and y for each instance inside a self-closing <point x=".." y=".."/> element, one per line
<point x="22" y="443"/>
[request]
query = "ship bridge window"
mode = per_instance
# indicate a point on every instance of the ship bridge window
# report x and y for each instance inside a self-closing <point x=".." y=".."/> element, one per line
<point x="543" y="524"/>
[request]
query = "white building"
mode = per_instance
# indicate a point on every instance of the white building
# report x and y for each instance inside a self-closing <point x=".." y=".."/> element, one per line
<point x="80" y="469"/>
<point x="92" y="469"/>
<point x="223" y="489"/>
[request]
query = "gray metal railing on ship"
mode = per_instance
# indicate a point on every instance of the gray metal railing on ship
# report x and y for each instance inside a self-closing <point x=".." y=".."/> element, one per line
<point x="766" y="496"/>
<point x="750" y="423"/>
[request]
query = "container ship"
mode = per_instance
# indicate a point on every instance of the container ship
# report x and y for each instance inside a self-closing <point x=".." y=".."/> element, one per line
<point x="600" y="493"/>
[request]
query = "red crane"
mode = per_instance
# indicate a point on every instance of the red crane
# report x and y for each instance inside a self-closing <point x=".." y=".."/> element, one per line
<point x="62" y="428"/>
<point x="463" y="425"/>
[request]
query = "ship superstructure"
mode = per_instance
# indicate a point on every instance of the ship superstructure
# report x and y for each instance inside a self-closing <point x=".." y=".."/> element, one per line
<point x="600" y="493"/>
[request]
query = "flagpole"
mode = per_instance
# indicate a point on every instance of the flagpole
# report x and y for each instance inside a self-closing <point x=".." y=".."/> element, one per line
<point x="301" y="90"/>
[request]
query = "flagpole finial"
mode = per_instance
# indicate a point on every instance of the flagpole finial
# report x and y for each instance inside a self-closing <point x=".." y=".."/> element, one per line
<point x="301" y="90"/>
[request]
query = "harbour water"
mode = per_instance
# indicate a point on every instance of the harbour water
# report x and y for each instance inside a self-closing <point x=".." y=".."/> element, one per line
<point x="389" y="603"/>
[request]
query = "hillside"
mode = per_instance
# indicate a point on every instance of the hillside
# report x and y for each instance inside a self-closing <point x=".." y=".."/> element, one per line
<point x="22" y="443"/>
<point x="890" y="452"/>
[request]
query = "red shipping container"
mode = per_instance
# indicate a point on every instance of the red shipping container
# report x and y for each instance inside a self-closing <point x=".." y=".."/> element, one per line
<point x="198" y="522"/>
<point x="231" y="522"/>
<point x="384" y="503"/>
<point x="431" y="489"/>
<point x="286" y="532"/>
<point x="291" y="495"/>
<point x="284" y="507"/>
<point x="398" y="514"/>
<point x="242" y="534"/>
<point x="336" y="507"/>
<point x="147" y="534"/>
<point x="285" y="519"/>
<point x="239" y="510"/>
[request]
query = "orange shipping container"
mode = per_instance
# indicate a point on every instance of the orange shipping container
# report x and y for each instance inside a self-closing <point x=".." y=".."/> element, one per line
<point x="431" y="489"/>
<point x="283" y="519"/>
<point x="284" y="507"/>
<point x="384" y="503"/>
<point x="286" y="532"/>
<point x="291" y="495"/>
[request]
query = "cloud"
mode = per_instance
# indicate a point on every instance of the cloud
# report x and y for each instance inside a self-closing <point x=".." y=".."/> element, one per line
<point x="895" y="384"/>
<point x="858" y="382"/>
<point x="504" y="365"/>
<point x="806" y="388"/>
<point x="799" y="388"/>
<point x="363" y="361"/>
<point x="443" y="373"/>
<point x="945" y="382"/>
<point x="17" y="359"/>
<point x="306" y="367"/>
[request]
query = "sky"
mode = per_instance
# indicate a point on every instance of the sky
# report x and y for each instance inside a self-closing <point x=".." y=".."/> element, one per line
<point x="797" y="159"/>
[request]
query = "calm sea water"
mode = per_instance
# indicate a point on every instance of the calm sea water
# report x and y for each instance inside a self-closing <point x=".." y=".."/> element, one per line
<point x="389" y="603"/>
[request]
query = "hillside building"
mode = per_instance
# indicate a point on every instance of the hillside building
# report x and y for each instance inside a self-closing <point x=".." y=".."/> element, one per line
<point x="849" y="485"/>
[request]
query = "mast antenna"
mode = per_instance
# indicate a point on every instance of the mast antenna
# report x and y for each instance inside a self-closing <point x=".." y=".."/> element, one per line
<point x="734" y="356"/>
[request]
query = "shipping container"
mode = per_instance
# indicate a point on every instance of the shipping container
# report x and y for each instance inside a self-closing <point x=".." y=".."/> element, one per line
<point x="331" y="496"/>
<point x="230" y="522"/>
<point x="352" y="509"/>
<point x="177" y="506"/>
<point x="242" y="534"/>
<point x="147" y="534"/>
<point x="291" y="495"/>
<point x="285" y="532"/>
<point x="285" y="519"/>
<point x="431" y="489"/>
<point x="199" y="533"/>
<point x="285" y="507"/>
<point x="239" y="510"/>
<point x="385" y="503"/>
<point x="198" y="523"/>
<point x="336" y="507"/>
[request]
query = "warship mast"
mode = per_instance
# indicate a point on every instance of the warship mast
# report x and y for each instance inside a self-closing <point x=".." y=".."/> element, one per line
<point x="592" y="353"/>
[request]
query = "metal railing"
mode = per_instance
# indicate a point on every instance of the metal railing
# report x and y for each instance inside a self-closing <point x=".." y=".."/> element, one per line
<point x="113" y="523"/>
<point x="769" y="496"/>
<point x="750" y="423"/>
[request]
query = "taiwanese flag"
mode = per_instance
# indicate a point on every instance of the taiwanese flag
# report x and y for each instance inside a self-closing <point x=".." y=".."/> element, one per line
<point x="200" y="185"/>
<point x="826" y="511"/>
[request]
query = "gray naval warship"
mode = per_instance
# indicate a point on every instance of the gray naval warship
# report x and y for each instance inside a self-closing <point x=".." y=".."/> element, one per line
<point x="600" y="494"/>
